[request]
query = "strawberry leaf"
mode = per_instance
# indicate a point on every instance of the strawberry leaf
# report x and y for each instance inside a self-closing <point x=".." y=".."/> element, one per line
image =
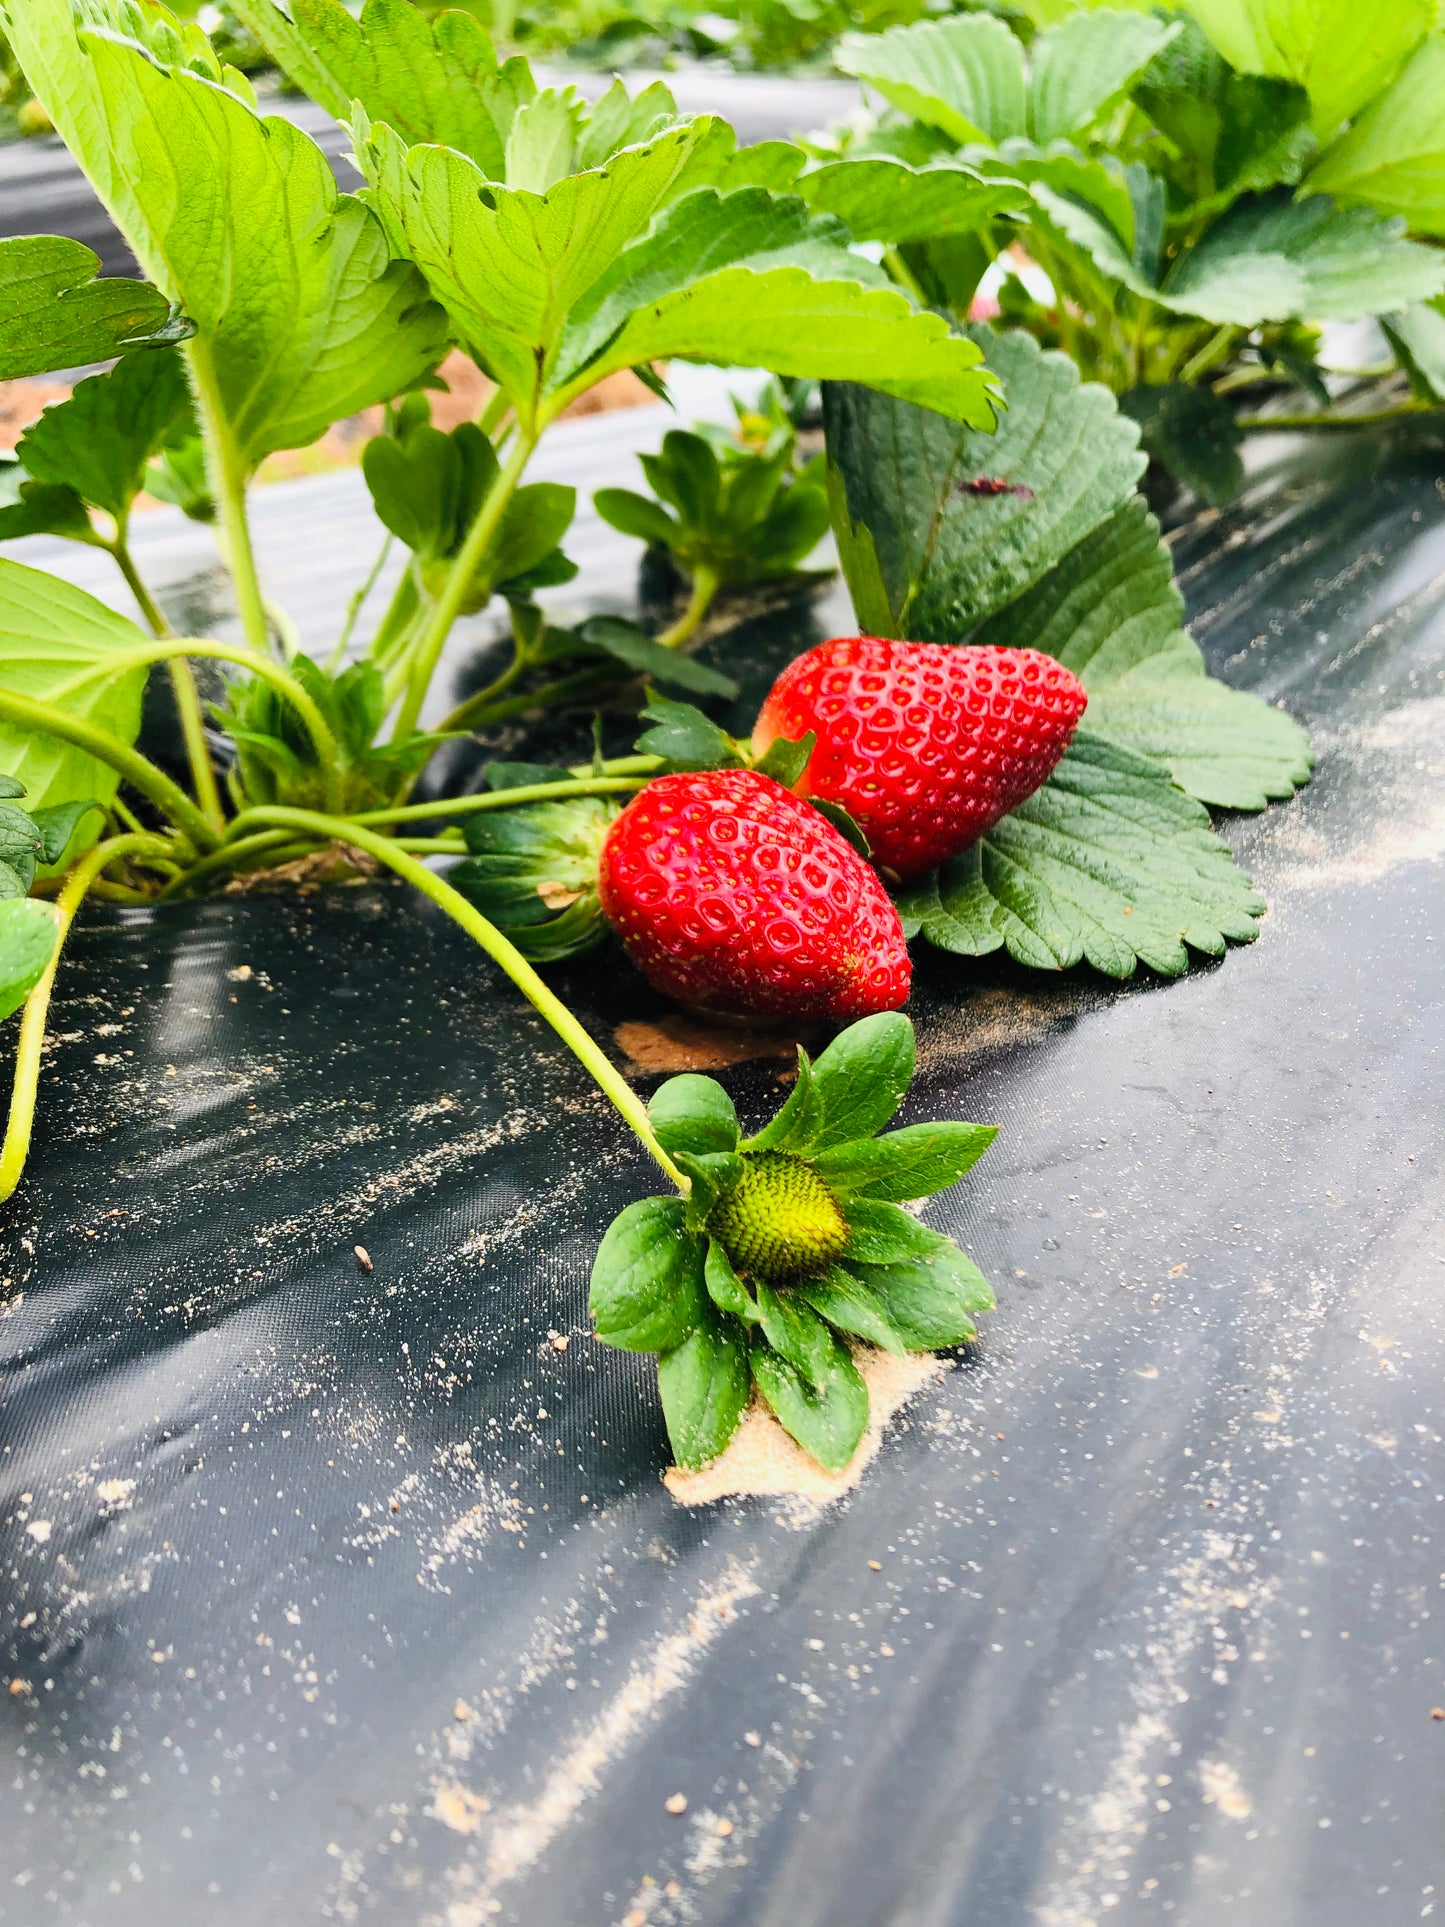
<point x="827" y="1421"/>
<point x="694" y="1114"/>
<point x="849" y="1306"/>
<point x="647" y="1279"/>
<point x="705" y="1382"/>
<point x="796" y="1333"/>
<point x="28" y="933"/>
<point x="55" y="314"/>
<point x="880" y="199"/>
<point x="911" y="1163"/>
<point x="724" y="1287"/>
<point x="99" y="440"/>
<point x="1109" y="862"/>
<point x="861" y="1079"/>
<point x="928" y="1301"/>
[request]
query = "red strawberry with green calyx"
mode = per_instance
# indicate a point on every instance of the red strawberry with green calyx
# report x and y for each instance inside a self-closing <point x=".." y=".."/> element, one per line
<point x="925" y="744"/>
<point x="732" y="895"/>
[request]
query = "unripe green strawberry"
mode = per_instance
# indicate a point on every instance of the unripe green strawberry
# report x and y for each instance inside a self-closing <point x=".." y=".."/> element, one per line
<point x="926" y="745"/>
<point x="732" y="895"/>
<point x="781" y="1220"/>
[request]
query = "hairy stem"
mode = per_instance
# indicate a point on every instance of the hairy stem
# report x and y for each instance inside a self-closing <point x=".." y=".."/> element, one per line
<point x="354" y="607"/>
<point x="183" y="684"/>
<point x="460" y="577"/>
<point x="1372" y="418"/>
<point x="705" y="585"/>
<point x="16" y="1147"/>
<point x="137" y="770"/>
<point x="584" y="1047"/>
<point x="502" y="799"/>
<point x="228" y="481"/>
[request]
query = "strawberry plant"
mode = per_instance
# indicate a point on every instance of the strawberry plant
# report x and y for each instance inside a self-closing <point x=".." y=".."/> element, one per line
<point x="1202" y="189"/>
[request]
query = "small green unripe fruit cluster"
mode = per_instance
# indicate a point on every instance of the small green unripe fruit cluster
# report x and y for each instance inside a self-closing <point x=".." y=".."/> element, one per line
<point x="780" y="1220"/>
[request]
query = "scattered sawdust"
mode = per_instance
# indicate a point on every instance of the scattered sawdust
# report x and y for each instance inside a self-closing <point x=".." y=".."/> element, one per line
<point x="457" y="1806"/>
<point x="39" y="1530"/>
<point x="115" y="1493"/>
<point x="763" y="1459"/>
<point x="1222" y="1789"/>
<point x="680" y="1042"/>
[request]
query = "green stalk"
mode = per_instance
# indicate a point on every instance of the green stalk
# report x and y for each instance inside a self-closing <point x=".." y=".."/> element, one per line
<point x="588" y="1052"/>
<point x="1373" y="418"/>
<point x="183" y="683"/>
<point x="586" y="682"/>
<point x="1219" y="347"/>
<point x="393" y="632"/>
<point x="354" y="607"/>
<point x="16" y="1147"/>
<point x="141" y="774"/>
<point x="469" y="559"/>
<point x="228" y="480"/>
<point x="503" y="799"/>
<point x="705" y="585"/>
<point x="228" y="857"/>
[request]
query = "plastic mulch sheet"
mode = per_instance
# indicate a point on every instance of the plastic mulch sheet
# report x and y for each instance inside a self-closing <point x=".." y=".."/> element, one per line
<point x="336" y="1594"/>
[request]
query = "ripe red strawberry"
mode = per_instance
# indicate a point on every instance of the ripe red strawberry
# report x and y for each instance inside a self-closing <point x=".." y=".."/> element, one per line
<point x="925" y="745"/>
<point x="732" y="895"/>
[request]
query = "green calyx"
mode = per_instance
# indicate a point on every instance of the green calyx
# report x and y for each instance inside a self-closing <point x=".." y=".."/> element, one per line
<point x="780" y="1220"/>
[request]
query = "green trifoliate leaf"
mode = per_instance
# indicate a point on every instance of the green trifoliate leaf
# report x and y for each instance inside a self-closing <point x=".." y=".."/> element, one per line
<point x="1272" y="258"/>
<point x="533" y="872"/>
<point x="796" y="1333"/>
<point x="1108" y="862"/>
<point x="903" y="1165"/>
<point x="849" y="1306"/>
<point x="828" y="1422"/>
<point x="880" y="199"/>
<point x="628" y="645"/>
<point x="695" y="1114"/>
<point x="964" y="76"/>
<point x="28" y="934"/>
<point x="1085" y="64"/>
<point x="56" y="644"/>
<point x="705" y="1383"/>
<point x="929" y="1301"/>
<point x="725" y="1288"/>
<point x="1111" y="613"/>
<point x="1393" y="158"/>
<point x="295" y="337"/>
<point x="1340" y="52"/>
<point x="1193" y="433"/>
<point x="99" y="441"/>
<point x="55" y="314"/>
<point x="947" y="556"/>
<point x="647" y="1279"/>
<point x="687" y="739"/>
<point x="862" y="1078"/>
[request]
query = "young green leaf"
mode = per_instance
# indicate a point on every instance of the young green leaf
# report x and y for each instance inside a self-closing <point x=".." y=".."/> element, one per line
<point x="99" y="441"/>
<point x="427" y="486"/>
<point x="1393" y="157"/>
<point x="55" y="644"/>
<point x="28" y="934"/>
<point x="57" y="824"/>
<point x="55" y="314"/>
<point x="1108" y="862"/>
<point x="964" y="76"/>
<point x="928" y="1301"/>
<point x="695" y="1114"/>
<point x="684" y="737"/>
<point x="947" y="556"/>
<point x="705" y="1383"/>
<point x="647" y="1285"/>
<point x="850" y="1306"/>
<point x="827" y="1422"/>
<point x="911" y="1163"/>
<point x="39" y="508"/>
<point x="633" y="514"/>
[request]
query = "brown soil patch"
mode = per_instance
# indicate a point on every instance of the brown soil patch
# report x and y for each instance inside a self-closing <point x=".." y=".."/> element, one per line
<point x="681" y="1042"/>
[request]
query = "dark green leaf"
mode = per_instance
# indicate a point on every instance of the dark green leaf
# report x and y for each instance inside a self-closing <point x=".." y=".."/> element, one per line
<point x="627" y="644"/>
<point x="39" y="508"/>
<point x="1417" y="334"/>
<point x="827" y="1423"/>
<point x="785" y="761"/>
<point x="682" y="735"/>
<point x="850" y="830"/>
<point x="28" y="933"/>
<point x="516" y="776"/>
<point x="55" y="314"/>
<point x="99" y="441"/>
<point x="725" y="1288"/>
<point x="427" y="486"/>
<point x="1109" y="861"/>
<point x="903" y="1165"/>
<point x="929" y="1301"/>
<point x="705" y="1383"/>
<point x="948" y="556"/>
<point x="849" y="1306"/>
<point x="20" y="848"/>
<point x="693" y="1113"/>
<point x="537" y="518"/>
<point x="886" y="1234"/>
<point x="636" y="515"/>
<point x="1193" y="433"/>
<point x="647" y="1284"/>
<point x="862" y="1078"/>
<point x="796" y="1125"/>
<point x="11" y="786"/>
<point x="712" y="1174"/>
<point x="56" y="826"/>
<point x="796" y="1333"/>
